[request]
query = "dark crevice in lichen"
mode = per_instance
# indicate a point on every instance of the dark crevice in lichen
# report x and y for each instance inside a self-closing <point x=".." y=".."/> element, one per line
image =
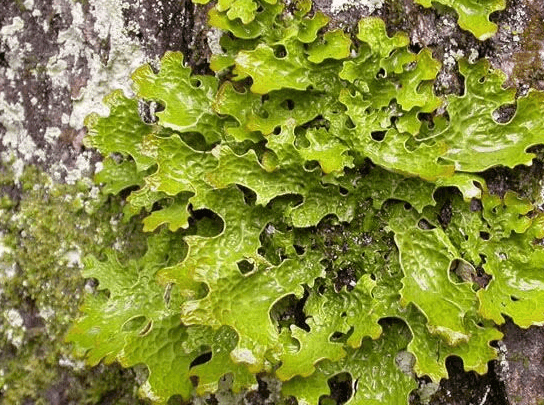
<point x="524" y="180"/>
<point x="468" y="387"/>
<point x="290" y="311"/>
<point x="341" y="388"/>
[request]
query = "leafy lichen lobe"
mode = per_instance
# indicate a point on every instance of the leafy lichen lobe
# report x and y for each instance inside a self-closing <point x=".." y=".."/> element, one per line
<point x="303" y="173"/>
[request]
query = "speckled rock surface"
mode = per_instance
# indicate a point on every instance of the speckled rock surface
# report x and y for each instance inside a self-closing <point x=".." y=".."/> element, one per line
<point x="522" y="364"/>
<point x="58" y="58"/>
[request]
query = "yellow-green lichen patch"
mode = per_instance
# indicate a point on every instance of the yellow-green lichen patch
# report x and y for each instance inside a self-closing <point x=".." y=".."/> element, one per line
<point x="307" y="134"/>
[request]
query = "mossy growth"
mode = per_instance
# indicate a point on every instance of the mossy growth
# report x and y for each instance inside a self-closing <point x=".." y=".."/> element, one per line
<point x="44" y="230"/>
<point x="528" y="62"/>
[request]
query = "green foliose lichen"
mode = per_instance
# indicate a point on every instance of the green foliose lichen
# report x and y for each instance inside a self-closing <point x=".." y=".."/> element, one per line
<point x="473" y="15"/>
<point x="303" y="221"/>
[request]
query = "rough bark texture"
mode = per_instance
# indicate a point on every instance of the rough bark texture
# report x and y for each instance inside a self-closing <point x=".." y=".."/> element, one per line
<point x="58" y="58"/>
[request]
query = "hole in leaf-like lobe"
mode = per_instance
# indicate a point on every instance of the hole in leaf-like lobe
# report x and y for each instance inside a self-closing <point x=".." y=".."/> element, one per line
<point x="290" y="311"/>
<point x="207" y="223"/>
<point x="349" y="123"/>
<point x="378" y="135"/>
<point x="504" y="113"/>
<point x="245" y="266"/>
<point x="485" y="235"/>
<point x="425" y="225"/>
<point x="250" y="196"/>
<point x="445" y="214"/>
<point x="203" y="358"/>
<point x="482" y="278"/>
<point x="381" y="73"/>
<point x="280" y="51"/>
<point x="288" y="104"/>
<point x="196" y="83"/>
<point x="341" y="386"/>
